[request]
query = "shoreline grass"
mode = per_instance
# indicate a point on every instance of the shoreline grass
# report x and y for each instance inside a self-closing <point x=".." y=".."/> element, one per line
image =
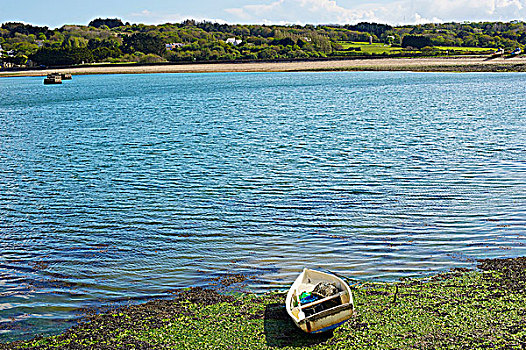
<point x="459" y="309"/>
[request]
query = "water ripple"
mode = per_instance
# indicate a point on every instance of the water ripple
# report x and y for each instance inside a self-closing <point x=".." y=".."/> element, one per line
<point x="116" y="194"/>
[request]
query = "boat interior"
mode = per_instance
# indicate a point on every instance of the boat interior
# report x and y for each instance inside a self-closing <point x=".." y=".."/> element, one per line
<point x="320" y="302"/>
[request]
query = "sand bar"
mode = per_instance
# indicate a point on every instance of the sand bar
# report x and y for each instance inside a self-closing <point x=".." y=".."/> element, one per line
<point x="458" y="64"/>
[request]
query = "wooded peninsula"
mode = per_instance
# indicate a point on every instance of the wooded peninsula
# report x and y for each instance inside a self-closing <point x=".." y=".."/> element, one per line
<point x="112" y="41"/>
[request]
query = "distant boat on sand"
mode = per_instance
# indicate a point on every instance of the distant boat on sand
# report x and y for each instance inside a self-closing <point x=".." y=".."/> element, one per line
<point x="516" y="52"/>
<point x="498" y="53"/>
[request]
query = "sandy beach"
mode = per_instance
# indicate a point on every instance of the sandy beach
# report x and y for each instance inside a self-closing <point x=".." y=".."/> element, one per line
<point x="456" y="64"/>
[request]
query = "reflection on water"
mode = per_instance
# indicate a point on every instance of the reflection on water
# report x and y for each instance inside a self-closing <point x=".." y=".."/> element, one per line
<point x="125" y="187"/>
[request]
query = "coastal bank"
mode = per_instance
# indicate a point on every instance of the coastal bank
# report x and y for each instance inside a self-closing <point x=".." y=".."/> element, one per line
<point x="459" y="309"/>
<point x="431" y="64"/>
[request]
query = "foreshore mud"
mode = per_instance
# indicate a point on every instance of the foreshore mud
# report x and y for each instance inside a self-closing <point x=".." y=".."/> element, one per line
<point x="459" y="309"/>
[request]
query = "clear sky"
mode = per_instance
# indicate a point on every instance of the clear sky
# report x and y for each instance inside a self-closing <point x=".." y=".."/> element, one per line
<point x="55" y="13"/>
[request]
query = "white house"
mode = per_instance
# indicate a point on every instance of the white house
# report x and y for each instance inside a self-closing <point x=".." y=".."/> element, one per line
<point x="234" y="41"/>
<point x="173" y="46"/>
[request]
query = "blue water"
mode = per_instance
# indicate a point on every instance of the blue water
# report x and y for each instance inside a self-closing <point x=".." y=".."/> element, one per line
<point x="128" y="186"/>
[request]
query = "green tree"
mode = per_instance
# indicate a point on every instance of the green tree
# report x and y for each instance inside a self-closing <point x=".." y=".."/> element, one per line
<point x="102" y="53"/>
<point x="268" y="54"/>
<point x="109" y="22"/>
<point x="416" y="41"/>
<point x="62" y="56"/>
<point x="144" y="43"/>
<point x="18" y="60"/>
<point x="151" y="58"/>
<point x="74" y="42"/>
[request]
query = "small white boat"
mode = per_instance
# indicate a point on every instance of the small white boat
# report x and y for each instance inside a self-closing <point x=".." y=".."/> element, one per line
<point x="516" y="52"/>
<point x="499" y="52"/>
<point x="318" y="302"/>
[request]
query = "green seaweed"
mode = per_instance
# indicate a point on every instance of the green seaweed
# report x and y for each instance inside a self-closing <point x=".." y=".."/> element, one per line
<point x="456" y="310"/>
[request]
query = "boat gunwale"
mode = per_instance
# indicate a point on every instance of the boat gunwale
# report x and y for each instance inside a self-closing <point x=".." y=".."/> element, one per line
<point x="325" y="313"/>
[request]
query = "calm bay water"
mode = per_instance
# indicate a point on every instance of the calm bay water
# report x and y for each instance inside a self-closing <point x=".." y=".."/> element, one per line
<point x="128" y="186"/>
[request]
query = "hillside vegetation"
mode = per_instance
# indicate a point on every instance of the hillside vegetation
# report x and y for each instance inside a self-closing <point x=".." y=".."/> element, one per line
<point x="112" y="41"/>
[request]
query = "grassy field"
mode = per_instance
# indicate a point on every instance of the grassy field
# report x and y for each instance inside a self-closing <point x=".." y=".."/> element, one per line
<point x="458" y="310"/>
<point x="381" y="48"/>
<point x="376" y="48"/>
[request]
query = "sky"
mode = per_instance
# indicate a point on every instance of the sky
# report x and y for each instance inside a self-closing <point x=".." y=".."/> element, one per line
<point x="55" y="13"/>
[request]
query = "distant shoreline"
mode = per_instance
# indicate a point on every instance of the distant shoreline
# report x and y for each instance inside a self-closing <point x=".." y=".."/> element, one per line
<point x="432" y="64"/>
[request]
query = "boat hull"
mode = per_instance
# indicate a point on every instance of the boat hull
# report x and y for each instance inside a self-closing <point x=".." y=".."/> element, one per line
<point x="327" y="319"/>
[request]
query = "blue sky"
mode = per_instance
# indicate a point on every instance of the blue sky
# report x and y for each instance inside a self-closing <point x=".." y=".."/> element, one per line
<point x="55" y="13"/>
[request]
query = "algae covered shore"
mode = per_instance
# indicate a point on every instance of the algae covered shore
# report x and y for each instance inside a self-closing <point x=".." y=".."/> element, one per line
<point x="460" y="309"/>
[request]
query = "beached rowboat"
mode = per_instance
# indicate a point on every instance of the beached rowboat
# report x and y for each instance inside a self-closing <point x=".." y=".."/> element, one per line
<point x="318" y="302"/>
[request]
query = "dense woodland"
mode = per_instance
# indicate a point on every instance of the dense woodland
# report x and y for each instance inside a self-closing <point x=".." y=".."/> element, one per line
<point x="111" y="40"/>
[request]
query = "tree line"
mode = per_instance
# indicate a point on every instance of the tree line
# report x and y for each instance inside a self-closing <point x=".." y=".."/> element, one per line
<point x="111" y="40"/>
